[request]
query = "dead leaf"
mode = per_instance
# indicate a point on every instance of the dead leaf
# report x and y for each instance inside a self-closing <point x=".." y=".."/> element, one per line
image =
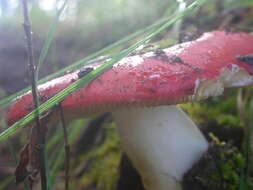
<point x="21" y="171"/>
<point x="29" y="163"/>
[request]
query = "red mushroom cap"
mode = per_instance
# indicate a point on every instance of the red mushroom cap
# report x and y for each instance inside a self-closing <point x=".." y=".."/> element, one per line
<point x="178" y="74"/>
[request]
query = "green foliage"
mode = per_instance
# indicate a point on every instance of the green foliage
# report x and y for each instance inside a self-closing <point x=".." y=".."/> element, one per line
<point x="236" y="3"/>
<point x="229" y="162"/>
<point x="104" y="159"/>
<point x="57" y="162"/>
<point x="232" y="162"/>
<point x="223" y="110"/>
<point x="98" y="71"/>
<point x="103" y="162"/>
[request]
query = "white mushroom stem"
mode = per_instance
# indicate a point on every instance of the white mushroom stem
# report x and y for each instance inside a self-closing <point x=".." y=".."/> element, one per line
<point x="162" y="143"/>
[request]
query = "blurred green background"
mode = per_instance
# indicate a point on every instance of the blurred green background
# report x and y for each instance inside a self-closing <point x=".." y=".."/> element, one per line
<point x="87" y="26"/>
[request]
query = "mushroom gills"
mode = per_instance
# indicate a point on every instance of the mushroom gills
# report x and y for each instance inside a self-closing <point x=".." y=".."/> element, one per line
<point x="162" y="142"/>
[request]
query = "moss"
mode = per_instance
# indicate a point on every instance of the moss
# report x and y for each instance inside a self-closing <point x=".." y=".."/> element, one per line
<point x="219" y="168"/>
<point x="103" y="161"/>
<point x="227" y="165"/>
<point x="222" y="110"/>
<point x="222" y="167"/>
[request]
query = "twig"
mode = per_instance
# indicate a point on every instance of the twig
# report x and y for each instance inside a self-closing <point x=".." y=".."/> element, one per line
<point x="32" y="71"/>
<point x="67" y="148"/>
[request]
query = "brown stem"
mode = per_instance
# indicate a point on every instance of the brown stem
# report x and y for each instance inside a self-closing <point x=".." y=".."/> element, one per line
<point x="32" y="71"/>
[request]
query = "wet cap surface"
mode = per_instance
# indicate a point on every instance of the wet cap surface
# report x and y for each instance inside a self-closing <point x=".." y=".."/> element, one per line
<point x="169" y="76"/>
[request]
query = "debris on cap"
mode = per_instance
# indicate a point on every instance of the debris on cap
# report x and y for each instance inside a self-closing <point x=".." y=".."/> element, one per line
<point x="185" y="72"/>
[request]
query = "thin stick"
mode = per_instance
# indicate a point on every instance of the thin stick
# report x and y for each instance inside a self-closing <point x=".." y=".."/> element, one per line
<point x="32" y="71"/>
<point x="67" y="148"/>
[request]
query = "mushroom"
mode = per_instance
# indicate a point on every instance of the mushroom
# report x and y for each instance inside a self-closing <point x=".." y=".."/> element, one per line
<point x="141" y="92"/>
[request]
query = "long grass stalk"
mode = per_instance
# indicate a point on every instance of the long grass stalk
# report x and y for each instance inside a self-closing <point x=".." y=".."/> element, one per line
<point x="246" y="167"/>
<point x="49" y="39"/>
<point x="67" y="147"/>
<point x="93" y="74"/>
<point x="59" y="159"/>
<point x="89" y="59"/>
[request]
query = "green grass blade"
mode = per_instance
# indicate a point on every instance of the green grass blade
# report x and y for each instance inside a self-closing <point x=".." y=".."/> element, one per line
<point x="59" y="160"/>
<point x="49" y="38"/>
<point x="236" y="4"/>
<point x="10" y="98"/>
<point x="246" y="167"/>
<point x="92" y="75"/>
<point x="6" y="182"/>
<point x="86" y="60"/>
<point x="48" y="173"/>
